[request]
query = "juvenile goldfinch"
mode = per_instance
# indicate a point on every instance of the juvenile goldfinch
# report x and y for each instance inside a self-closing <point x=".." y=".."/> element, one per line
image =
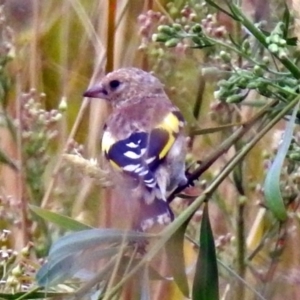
<point x="143" y="141"/>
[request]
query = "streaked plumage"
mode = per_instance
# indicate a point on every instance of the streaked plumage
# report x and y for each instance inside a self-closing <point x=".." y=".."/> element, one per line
<point x="143" y="141"/>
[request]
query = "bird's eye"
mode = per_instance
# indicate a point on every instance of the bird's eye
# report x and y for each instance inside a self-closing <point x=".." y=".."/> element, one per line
<point x="114" y="84"/>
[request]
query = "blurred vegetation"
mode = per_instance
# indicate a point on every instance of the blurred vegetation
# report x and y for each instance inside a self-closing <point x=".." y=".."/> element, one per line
<point x="232" y="67"/>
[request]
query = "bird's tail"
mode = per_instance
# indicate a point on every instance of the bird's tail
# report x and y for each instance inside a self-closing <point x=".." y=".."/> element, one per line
<point x="157" y="212"/>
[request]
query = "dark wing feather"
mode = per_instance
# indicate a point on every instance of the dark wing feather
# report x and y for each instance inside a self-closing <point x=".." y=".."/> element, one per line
<point x="139" y="155"/>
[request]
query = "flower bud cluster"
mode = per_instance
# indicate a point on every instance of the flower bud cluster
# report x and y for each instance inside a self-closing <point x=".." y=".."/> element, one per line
<point x="212" y="28"/>
<point x="234" y="89"/>
<point x="38" y="127"/>
<point x="276" y="41"/>
<point x="147" y="23"/>
<point x="168" y="34"/>
<point x="176" y="34"/>
<point x="188" y="28"/>
<point x="37" y="124"/>
<point x="17" y="271"/>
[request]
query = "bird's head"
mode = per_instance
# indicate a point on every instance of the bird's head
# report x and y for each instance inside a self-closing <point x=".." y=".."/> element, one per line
<point x="123" y="85"/>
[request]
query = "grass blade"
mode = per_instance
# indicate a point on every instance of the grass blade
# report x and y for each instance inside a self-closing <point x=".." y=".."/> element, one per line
<point x="206" y="280"/>
<point x="272" y="191"/>
<point x="57" y="269"/>
<point x="175" y="257"/>
<point x="58" y="219"/>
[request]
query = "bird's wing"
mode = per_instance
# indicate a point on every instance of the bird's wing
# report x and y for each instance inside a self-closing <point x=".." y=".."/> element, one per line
<point x="140" y="153"/>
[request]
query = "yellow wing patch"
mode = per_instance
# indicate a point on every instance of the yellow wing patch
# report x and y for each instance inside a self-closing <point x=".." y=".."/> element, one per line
<point x="170" y="124"/>
<point x="107" y="141"/>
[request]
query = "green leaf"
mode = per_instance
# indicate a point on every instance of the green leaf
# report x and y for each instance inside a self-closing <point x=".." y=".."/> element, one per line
<point x="175" y="258"/>
<point x="80" y="250"/>
<point x="272" y="191"/>
<point x="58" y="219"/>
<point x="60" y="268"/>
<point x="286" y="20"/>
<point x="206" y="280"/>
<point x="235" y="10"/>
<point x="90" y="238"/>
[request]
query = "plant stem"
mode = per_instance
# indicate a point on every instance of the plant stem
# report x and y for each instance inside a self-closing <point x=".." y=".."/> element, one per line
<point x="110" y="41"/>
<point x="241" y="267"/>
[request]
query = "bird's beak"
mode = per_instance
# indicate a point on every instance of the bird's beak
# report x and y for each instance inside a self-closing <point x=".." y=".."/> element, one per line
<point x="96" y="91"/>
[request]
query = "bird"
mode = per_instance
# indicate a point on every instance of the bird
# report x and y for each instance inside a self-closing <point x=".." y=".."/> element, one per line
<point x="143" y="142"/>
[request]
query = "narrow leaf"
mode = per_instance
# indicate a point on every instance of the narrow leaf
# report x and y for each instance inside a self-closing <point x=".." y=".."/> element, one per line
<point x="235" y="10"/>
<point x="175" y="258"/>
<point x="58" y="219"/>
<point x="78" y="253"/>
<point x="206" y="280"/>
<point x="80" y="264"/>
<point x="89" y="238"/>
<point x="286" y="20"/>
<point x="272" y="191"/>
